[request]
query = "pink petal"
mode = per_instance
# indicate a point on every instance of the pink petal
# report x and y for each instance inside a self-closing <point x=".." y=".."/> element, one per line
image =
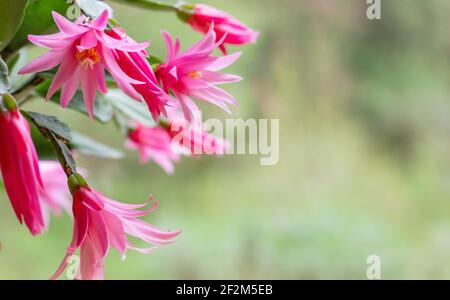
<point x="44" y="62"/>
<point x="169" y="43"/>
<point x="101" y="22"/>
<point x="101" y="79"/>
<point x="89" y="82"/>
<point x="98" y="233"/>
<point x="122" y="44"/>
<point x="115" y="70"/>
<point x="62" y="266"/>
<point x="217" y="78"/>
<point x="224" y="61"/>
<point x="87" y="41"/>
<point x="149" y="233"/>
<point x="91" y="266"/>
<point x="207" y="44"/>
<point x="70" y="87"/>
<point x="57" y="41"/>
<point x="81" y="223"/>
<point x="116" y="233"/>
<point x="68" y="27"/>
<point x="65" y="71"/>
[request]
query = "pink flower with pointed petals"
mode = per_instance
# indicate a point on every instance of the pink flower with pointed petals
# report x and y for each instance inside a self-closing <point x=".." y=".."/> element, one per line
<point x="195" y="141"/>
<point x="192" y="138"/>
<point x="100" y="223"/>
<point x="83" y="52"/>
<point x="20" y="169"/>
<point x="194" y="73"/>
<point x="153" y="143"/>
<point x="226" y="26"/>
<point x="164" y="144"/>
<point x="55" y="196"/>
<point x="135" y="65"/>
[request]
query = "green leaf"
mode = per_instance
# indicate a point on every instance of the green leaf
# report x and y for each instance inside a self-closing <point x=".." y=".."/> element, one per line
<point x="5" y="81"/>
<point x="103" y="110"/>
<point x="88" y="146"/>
<point x="154" y="60"/>
<point x="68" y="160"/>
<point x="37" y="20"/>
<point x="51" y="123"/>
<point x="11" y="16"/>
<point x="58" y="134"/>
<point x="134" y="110"/>
<point x="94" y="8"/>
<point x="42" y="145"/>
<point x="153" y="5"/>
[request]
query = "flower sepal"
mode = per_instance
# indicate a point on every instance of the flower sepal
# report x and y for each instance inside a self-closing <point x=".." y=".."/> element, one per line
<point x="185" y="11"/>
<point x="76" y="181"/>
<point x="9" y="102"/>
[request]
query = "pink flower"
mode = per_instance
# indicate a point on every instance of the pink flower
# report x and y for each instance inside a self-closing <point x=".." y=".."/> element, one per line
<point x="226" y="26"/>
<point x="164" y="143"/>
<point x="100" y="223"/>
<point x="192" y="138"/>
<point x="194" y="73"/>
<point x="153" y="143"/>
<point x="135" y="65"/>
<point x="55" y="196"/>
<point x="83" y="52"/>
<point x="20" y="169"/>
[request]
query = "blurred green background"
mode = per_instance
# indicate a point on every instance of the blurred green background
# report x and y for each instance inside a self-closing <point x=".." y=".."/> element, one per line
<point x="364" y="154"/>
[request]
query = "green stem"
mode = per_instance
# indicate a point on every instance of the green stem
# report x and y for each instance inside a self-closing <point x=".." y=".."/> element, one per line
<point x="26" y="91"/>
<point x="153" y="5"/>
<point x="163" y="122"/>
<point x="58" y="147"/>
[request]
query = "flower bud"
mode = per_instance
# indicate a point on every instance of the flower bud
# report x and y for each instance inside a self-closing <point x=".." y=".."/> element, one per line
<point x="10" y="102"/>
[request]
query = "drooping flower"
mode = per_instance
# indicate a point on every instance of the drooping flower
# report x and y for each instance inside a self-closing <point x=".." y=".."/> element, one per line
<point x="83" y="52"/>
<point x="100" y="222"/>
<point x="55" y="196"/>
<point x="135" y="65"/>
<point x="194" y="73"/>
<point x="226" y="26"/>
<point x="153" y="143"/>
<point x="19" y="166"/>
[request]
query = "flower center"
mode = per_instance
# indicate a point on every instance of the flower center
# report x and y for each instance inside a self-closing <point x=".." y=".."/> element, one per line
<point x="88" y="58"/>
<point x="195" y="74"/>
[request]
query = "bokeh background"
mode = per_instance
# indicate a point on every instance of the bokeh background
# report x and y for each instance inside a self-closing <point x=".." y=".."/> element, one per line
<point x="364" y="164"/>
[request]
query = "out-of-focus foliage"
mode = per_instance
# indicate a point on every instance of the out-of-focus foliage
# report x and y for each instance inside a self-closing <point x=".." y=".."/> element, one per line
<point x="11" y="16"/>
<point x="36" y="20"/>
<point x="364" y="166"/>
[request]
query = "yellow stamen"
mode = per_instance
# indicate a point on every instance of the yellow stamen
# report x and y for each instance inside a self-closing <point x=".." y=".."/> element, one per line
<point x="195" y="74"/>
<point x="88" y="57"/>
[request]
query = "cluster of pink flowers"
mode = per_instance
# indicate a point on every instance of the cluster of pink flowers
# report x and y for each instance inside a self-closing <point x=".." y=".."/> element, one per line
<point x="84" y="51"/>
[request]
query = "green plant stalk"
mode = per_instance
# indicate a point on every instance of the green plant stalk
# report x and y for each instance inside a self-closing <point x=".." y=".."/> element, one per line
<point x="56" y="145"/>
<point x="153" y="5"/>
<point x="26" y="92"/>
